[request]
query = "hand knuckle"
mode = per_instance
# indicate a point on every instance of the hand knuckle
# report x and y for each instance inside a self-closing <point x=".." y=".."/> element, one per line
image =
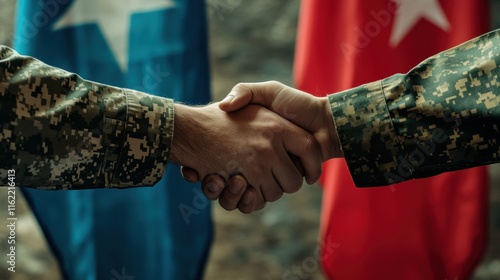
<point x="275" y="83"/>
<point x="264" y="147"/>
<point x="239" y="86"/>
<point x="275" y="126"/>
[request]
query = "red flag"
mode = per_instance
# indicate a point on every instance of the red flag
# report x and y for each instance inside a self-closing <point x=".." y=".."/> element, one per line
<point x="432" y="228"/>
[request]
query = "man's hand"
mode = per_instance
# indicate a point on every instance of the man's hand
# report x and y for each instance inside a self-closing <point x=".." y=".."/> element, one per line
<point x="308" y="112"/>
<point x="236" y="195"/>
<point x="253" y="142"/>
<point x="311" y="113"/>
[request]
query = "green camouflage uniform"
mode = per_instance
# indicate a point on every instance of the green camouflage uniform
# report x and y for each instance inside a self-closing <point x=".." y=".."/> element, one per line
<point x="443" y="115"/>
<point x="59" y="131"/>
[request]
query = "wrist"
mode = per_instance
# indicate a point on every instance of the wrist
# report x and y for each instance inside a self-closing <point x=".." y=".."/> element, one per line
<point x="331" y="147"/>
<point x="184" y="124"/>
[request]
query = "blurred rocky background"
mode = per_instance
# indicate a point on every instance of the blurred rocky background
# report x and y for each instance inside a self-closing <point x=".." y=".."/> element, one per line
<point x="250" y="41"/>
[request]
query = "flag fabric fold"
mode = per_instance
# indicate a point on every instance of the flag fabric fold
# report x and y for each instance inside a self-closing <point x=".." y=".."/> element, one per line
<point x="433" y="228"/>
<point x="155" y="46"/>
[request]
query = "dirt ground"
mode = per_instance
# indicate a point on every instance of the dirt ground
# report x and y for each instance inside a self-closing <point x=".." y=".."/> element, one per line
<point x="250" y="41"/>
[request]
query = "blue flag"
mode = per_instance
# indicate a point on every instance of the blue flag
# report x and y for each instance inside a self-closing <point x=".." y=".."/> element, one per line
<point x="155" y="46"/>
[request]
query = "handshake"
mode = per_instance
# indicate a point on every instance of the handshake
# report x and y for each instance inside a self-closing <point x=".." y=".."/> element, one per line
<point x="255" y="145"/>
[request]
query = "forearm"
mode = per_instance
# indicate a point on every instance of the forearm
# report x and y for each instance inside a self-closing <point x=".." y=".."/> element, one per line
<point x="441" y="116"/>
<point x="60" y="131"/>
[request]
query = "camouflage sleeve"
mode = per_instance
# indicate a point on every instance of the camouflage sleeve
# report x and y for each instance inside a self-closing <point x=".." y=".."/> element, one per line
<point x="443" y="115"/>
<point x="59" y="131"/>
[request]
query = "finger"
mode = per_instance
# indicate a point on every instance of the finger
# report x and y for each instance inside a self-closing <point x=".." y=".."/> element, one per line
<point x="274" y="190"/>
<point x="303" y="145"/>
<point x="245" y="93"/>
<point x="298" y="164"/>
<point x="248" y="201"/>
<point x="232" y="194"/>
<point x="238" y="98"/>
<point x="286" y="174"/>
<point x="297" y="106"/>
<point x="270" y="186"/>
<point x="260" y="200"/>
<point x="259" y="205"/>
<point x="189" y="174"/>
<point x="213" y="185"/>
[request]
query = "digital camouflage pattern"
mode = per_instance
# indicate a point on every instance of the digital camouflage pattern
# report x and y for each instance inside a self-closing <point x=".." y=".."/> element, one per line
<point x="59" y="131"/>
<point x="443" y="115"/>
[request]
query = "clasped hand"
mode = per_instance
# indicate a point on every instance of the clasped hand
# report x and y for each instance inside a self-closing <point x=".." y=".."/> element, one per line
<point x="255" y="145"/>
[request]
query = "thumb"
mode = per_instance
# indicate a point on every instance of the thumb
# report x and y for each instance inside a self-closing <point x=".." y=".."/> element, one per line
<point x="239" y="97"/>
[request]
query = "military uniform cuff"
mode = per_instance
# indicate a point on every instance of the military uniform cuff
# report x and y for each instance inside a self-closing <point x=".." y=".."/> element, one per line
<point x="147" y="138"/>
<point x="366" y="133"/>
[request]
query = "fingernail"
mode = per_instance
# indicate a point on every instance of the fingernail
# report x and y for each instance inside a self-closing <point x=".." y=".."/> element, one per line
<point x="236" y="187"/>
<point x="228" y="98"/>
<point x="212" y="187"/>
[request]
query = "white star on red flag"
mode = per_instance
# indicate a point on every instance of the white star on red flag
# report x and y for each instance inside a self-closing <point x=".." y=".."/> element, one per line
<point x="411" y="11"/>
